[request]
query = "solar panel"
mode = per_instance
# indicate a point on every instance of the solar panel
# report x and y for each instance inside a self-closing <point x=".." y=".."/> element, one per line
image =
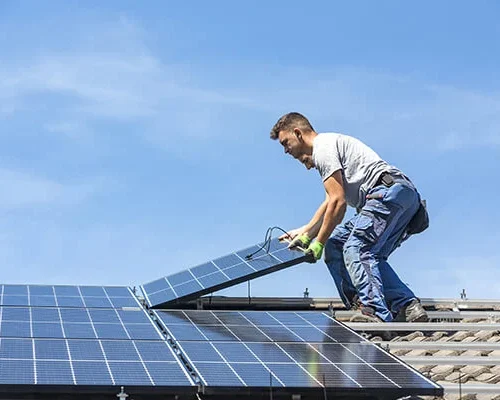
<point x="222" y="272"/>
<point x="288" y="351"/>
<point x="77" y="323"/>
<point x="67" y="296"/>
<point x="94" y="337"/>
<point x="90" y="363"/>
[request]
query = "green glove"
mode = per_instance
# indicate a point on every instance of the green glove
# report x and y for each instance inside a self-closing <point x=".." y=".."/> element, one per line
<point x="316" y="248"/>
<point x="300" y="240"/>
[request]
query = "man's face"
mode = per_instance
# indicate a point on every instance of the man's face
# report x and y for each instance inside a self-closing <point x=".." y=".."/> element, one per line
<point x="293" y="144"/>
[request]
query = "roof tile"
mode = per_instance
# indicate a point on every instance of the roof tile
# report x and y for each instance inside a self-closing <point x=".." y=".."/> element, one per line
<point x="438" y="335"/>
<point x="488" y="396"/>
<point x="474" y="370"/>
<point x="461" y="335"/>
<point x="456" y="396"/>
<point x="412" y="336"/>
<point x="473" y="353"/>
<point x="417" y="353"/>
<point x="485" y="335"/>
<point x="424" y="369"/>
<point x="494" y="339"/>
<point x="488" y="377"/>
<point x="458" y="376"/>
<point x="495" y="369"/>
<point x="443" y="369"/>
<point x="447" y="353"/>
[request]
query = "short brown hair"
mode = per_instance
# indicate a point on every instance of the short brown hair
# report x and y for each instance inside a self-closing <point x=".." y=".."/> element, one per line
<point x="290" y="121"/>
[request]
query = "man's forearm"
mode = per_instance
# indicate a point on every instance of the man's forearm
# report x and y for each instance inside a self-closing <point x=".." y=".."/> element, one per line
<point x="333" y="215"/>
<point x="314" y="225"/>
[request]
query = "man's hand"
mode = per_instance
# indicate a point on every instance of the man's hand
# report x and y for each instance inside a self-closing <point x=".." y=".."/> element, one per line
<point x="290" y="235"/>
<point x="316" y="248"/>
<point x="301" y="240"/>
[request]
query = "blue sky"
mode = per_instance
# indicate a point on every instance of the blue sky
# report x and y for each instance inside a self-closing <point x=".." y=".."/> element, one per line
<point x="134" y="136"/>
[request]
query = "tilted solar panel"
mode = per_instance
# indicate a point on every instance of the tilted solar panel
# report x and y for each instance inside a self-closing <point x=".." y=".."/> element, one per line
<point x="288" y="351"/>
<point x="67" y="296"/>
<point x="221" y="273"/>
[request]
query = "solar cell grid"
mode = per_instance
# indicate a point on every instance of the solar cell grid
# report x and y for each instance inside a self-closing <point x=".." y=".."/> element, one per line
<point x="293" y="349"/>
<point x="67" y="296"/>
<point x="221" y="272"/>
<point x="90" y="362"/>
<point x="74" y="323"/>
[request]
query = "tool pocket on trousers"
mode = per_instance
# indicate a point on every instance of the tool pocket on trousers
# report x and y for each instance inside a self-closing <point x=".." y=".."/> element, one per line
<point x="369" y="227"/>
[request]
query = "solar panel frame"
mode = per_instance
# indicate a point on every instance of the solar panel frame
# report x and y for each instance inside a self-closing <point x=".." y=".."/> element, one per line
<point x="329" y="364"/>
<point x="222" y="272"/>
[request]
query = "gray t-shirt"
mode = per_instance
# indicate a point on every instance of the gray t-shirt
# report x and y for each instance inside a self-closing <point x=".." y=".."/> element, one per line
<point x="361" y="166"/>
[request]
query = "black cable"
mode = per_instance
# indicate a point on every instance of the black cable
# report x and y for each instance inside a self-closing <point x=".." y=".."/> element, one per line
<point x="267" y="241"/>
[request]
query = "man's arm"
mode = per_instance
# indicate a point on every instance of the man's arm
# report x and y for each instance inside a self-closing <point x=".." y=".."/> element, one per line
<point x="335" y="206"/>
<point x="312" y="228"/>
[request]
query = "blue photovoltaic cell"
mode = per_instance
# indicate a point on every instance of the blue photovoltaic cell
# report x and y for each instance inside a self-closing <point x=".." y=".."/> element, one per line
<point x="110" y="331"/>
<point x="18" y="371"/>
<point x="47" y="330"/>
<point x="163" y="373"/>
<point x="130" y="373"/>
<point x="15" y="289"/>
<point x="78" y="331"/>
<point x="294" y="349"/>
<point x="120" y="350"/>
<point x="15" y="329"/>
<point x="142" y="332"/>
<point x="14" y="300"/>
<point x="91" y="373"/>
<point x="42" y="301"/>
<point x="97" y="302"/>
<point x="74" y="315"/>
<point x="36" y="290"/>
<point x="54" y="373"/>
<point x="16" y="314"/>
<point x="67" y="296"/>
<point x="222" y="272"/>
<point x="51" y="349"/>
<point x="154" y="351"/>
<point x="85" y="350"/>
<point x="44" y="314"/>
<point x="70" y="301"/>
<point x="16" y="348"/>
<point x="108" y="316"/>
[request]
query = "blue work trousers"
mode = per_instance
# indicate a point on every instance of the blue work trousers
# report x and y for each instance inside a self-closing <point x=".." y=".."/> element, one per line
<point x="356" y="253"/>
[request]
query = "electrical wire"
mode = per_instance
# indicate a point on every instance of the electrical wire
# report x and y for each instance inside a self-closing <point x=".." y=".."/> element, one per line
<point x="267" y="241"/>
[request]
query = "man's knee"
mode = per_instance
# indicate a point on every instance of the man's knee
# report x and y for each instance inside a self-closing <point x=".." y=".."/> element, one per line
<point x="357" y="257"/>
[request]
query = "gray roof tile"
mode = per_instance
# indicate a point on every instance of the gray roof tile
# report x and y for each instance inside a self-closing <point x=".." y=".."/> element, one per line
<point x="474" y="370"/>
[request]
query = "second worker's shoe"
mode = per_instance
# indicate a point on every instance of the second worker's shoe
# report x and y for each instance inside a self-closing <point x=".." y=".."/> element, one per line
<point x="412" y="312"/>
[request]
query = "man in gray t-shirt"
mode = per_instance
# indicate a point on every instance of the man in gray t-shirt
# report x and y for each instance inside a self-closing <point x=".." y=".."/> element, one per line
<point x="355" y="252"/>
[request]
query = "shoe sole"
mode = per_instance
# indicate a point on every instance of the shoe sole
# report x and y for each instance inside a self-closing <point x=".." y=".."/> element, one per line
<point x="420" y="318"/>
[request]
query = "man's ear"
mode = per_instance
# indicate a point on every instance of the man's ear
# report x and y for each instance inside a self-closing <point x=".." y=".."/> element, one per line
<point x="298" y="133"/>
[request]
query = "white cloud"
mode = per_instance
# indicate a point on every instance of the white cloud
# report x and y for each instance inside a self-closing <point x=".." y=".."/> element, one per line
<point x="118" y="78"/>
<point x="20" y="190"/>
